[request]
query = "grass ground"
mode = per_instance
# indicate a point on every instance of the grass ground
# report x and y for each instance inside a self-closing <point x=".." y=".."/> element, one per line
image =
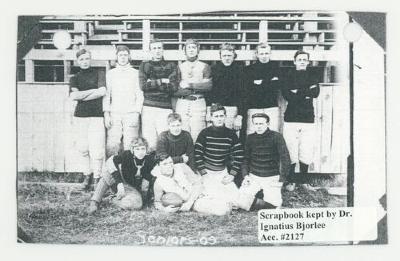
<point x="52" y="215"/>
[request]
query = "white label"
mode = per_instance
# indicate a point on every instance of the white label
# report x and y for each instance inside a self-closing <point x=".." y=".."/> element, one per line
<point x="317" y="225"/>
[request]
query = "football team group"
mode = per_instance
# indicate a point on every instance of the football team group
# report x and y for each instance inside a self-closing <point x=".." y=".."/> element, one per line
<point x="193" y="136"/>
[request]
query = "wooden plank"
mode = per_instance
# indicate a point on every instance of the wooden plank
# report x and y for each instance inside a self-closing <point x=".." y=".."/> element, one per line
<point x="326" y="129"/>
<point x="263" y="31"/>
<point x="315" y="166"/>
<point x="29" y="71"/>
<point x="59" y="142"/>
<point x="191" y="18"/>
<point x="146" y="35"/>
<point x="108" y="53"/>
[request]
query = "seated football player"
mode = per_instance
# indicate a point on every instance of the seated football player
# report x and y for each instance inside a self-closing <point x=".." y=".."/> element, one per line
<point x="129" y="173"/>
<point x="176" y="142"/>
<point x="177" y="188"/>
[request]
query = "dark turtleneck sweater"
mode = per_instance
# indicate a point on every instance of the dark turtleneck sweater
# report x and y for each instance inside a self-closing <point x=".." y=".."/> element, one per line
<point x="264" y="95"/>
<point x="266" y="155"/>
<point x="87" y="79"/>
<point x="157" y="94"/>
<point x="300" y="104"/>
<point x="176" y="146"/>
<point x="215" y="148"/>
<point x="127" y="165"/>
<point x="227" y="85"/>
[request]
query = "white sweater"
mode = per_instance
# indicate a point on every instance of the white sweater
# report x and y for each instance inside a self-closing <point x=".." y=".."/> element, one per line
<point x="123" y="91"/>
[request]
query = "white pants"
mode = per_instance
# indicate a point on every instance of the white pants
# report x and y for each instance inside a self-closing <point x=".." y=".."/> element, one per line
<point x="270" y="185"/>
<point x="273" y="114"/>
<point x="299" y="138"/>
<point x="154" y="121"/>
<point x="124" y="125"/>
<point x="229" y="193"/>
<point x="193" y="115"/>
<point x="91" y="143"/>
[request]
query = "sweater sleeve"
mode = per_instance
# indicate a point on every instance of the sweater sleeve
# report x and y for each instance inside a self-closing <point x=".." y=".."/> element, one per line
<point x="199" y="152"/>
<point x="107" y="97"/>
<point x="289" y="94"/>
<point x="237" y="154"/>
<point x="146" y="84"/>
<point x="247" y="157"/>
<point x="173" y="77"/>
<point x="181" y="91"/>
<point x="190" y="151"/>
<point x="284" y="157"/>
<point x="112" y="165"/>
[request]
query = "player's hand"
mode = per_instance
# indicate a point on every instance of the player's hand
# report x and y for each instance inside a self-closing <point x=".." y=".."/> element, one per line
<point x="171" y="209"/>
<point x="107" y="120"/>
<point x="258" y="82"/>
<point x="227" y="179"/>
<point x="165" y="80"/>
<point x="294" y="91"/>
<point x="185" y="158"/>
<point x="120" y="191"/>
<point x="237" y="123"/>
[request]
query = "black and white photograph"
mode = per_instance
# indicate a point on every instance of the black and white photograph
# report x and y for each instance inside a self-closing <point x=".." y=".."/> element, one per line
<point x="220" y="128"/>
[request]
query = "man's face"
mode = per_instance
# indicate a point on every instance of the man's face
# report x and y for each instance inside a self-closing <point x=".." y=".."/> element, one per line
<point x="175" y="127"/>
<point x="227" y="57"/>
<point x="263" y="55"/>
<point x="167" y="167"/>
<point x="157" y="51"/>
<point x="139" y="152"/>
<point x="84" y="61"/>
<point x="218" y="118"/>
<point x="123" y="58"/>
<point x="191" y="51"/>
<point x="260" y="125"/>
<point x="301" y="62"/>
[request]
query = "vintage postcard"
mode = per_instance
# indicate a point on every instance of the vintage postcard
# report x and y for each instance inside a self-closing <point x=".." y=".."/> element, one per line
<point x="219" y="128"/>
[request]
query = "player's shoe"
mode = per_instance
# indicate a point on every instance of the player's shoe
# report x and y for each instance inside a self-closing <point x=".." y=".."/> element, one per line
<point x="86" y="182"/>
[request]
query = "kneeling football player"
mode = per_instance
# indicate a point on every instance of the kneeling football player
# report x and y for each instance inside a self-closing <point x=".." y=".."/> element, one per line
<point x="178" y="188"/>
<point x="128" y="173"/>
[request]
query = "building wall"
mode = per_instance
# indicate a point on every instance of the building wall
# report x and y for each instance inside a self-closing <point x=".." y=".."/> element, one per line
<point x="46" y="135"/>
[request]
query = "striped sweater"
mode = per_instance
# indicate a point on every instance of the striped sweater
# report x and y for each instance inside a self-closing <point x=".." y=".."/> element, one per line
<point x="266" y="155"/>
<point x="218" y="148"/>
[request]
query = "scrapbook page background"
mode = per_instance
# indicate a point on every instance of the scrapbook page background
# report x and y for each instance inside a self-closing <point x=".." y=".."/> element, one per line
<point x="367" y="166"/>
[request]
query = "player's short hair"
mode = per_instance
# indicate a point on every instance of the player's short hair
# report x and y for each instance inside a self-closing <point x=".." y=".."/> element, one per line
<point x="217" y="107"/>
<point x="174" y="117"/>
<point x="263" y="45"/>
<point x="122" y="48"/>
<point x="227" y="47"/>
<point x="161" y="157"/>
<point x="138" y="142"/>
<point x="191" y="41"/>
<point x="260" y="115"/>
<point x="297" y="53"/>
<point x="82" y="52"/>
<point x="155" y="40"/>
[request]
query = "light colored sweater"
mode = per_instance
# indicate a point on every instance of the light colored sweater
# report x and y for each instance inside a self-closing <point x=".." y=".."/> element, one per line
<point x="123" y="91"/>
